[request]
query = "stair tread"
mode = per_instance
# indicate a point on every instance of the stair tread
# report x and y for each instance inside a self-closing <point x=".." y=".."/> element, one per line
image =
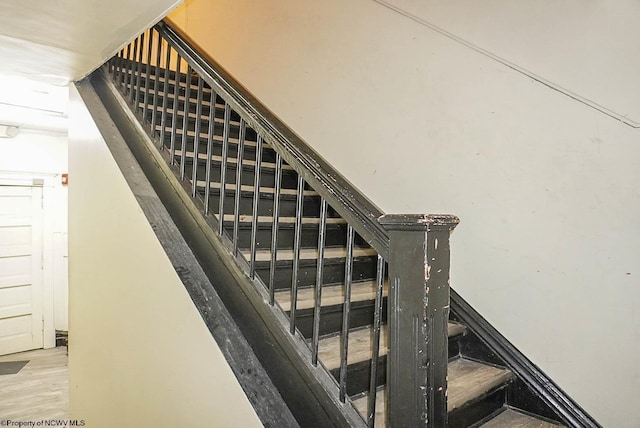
<point x="204" y="135"/>
<point x="360" y="345"/>
<point x="283" y="220"/>
<point x="249" y="188"/>
<point x="232" y="160"/>
<point x="470" y="379"/>
<point x="513" y="419"/>
<point x="331" y="295"/>
<point x="171" y="96"/>
<point x="192" y="115"/>
<point x="467" y="381"/>
<point x="311" y="253"/>
<point x="160" y="77"/>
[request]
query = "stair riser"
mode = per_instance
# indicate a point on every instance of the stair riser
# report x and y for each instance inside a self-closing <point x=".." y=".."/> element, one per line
<point x="267" y="176"/>
<point x="234" y="118"/>
<point x="171" y="86"/>
<point x="468" y="415"/>
<point x="128" y="64"/>
<point x="335" y="236"/>
<point x="333" y="273"/>
<point x="360" y="315"/>
<point x="472" y="347"/>
<point x="359" y="375"/>
<point x="311" y="205"/>
<point x="234" y="128"/>
<point x="250" y="134"/>
<point x="268" y="155"/>
<point x="521" y="397"/>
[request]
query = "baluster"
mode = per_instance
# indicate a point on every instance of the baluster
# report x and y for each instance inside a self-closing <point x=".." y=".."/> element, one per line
<point x="117" y="71"/>
<point x="207" y="188"/>
<point x="165" y="97"/>
<point x="127" y="68"/>
<point x="111" y="66"/>
<point x="145" y="100"/>
<point x="156" y="84"/>
<point x="377" y="317"/>
<point x="296" y="254"/>
<point x="223" y="167"/>
<point x="236" y="209"/>
<point x="419" y="284"/>
<point x="196" y="140"/>
<point x="136" y="98"/>
<point x="274" y="229"/>
<point x="256" y="201"/>
<point x="319" y="277"/>
<point x="134" y="63"/>
<point x="176" y="108"/>
<point x="344" y="335"/>
<point x="120" y="73"/>
<point x="185" y="124"/>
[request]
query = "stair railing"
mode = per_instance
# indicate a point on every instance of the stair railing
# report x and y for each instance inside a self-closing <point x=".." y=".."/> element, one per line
<point x="157" y="73"/>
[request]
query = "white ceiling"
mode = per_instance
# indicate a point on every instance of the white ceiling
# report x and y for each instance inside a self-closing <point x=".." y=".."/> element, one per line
<point x="58" y="41"/>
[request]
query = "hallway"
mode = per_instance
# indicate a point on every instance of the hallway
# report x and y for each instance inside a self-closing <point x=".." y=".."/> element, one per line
<point x="39" y="390"/>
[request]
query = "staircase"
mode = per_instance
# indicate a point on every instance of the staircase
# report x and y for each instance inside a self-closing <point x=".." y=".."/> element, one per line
<point x="289" y="240"/>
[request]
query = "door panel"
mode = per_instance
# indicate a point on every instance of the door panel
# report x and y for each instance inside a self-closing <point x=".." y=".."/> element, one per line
<point x="21" y="294"/>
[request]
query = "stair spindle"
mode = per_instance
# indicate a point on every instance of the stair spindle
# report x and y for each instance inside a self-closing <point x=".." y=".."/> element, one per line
<point x="207" y="188"/>
<point x="223" y="167"/>
<point x="274" y="228"/>
<point x="322" y="230"/>
<point x="375" y="349"/>
<point x="176" y="107"/>
<point x="185" y="123"/>
<point x="165" y="97"/>
<point x="296" y="254"/>
<point x="154" y="110"/>
<point x="140" y="44"/>
<point x="196" y="140"/>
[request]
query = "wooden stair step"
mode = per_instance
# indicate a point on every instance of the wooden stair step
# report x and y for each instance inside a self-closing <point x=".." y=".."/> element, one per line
<point x="160" y="77"/>
<point x="231" y="160"/>
<point x="331" y="295"/>
<point x="250" y="189"/>
<point x="511" y="418"/>
<point x="468" y="380"/>
<point x="192" y="115"/>
<point x="171" y="97"/>
<point x="311" y="253"/>
<point x="204" y="136"/>
<point x="265" y="219"/>
<point x="360" y="345"/>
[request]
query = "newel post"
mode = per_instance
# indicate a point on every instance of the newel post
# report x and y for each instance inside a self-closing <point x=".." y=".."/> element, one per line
<point x="418" y="319"/>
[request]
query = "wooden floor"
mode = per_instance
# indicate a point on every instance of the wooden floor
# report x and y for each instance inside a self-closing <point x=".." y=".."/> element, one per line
<point x="40" y="390"/>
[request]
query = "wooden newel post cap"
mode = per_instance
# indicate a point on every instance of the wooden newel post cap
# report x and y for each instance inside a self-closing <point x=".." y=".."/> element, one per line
<point x="418" y="222"/>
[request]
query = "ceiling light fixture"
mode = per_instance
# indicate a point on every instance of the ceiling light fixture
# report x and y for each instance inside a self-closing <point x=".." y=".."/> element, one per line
<point x="8" y="131"/>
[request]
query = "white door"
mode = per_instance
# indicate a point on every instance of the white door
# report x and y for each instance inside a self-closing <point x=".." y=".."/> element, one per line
<point x="21" y="292"/>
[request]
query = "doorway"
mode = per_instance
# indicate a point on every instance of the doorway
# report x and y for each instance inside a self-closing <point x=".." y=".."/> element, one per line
<point x="22" y="304"/>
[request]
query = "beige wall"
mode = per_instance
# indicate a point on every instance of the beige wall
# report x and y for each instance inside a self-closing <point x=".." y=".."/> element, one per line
<point x="140" y="354"/>
<point x="546" y="186"/>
